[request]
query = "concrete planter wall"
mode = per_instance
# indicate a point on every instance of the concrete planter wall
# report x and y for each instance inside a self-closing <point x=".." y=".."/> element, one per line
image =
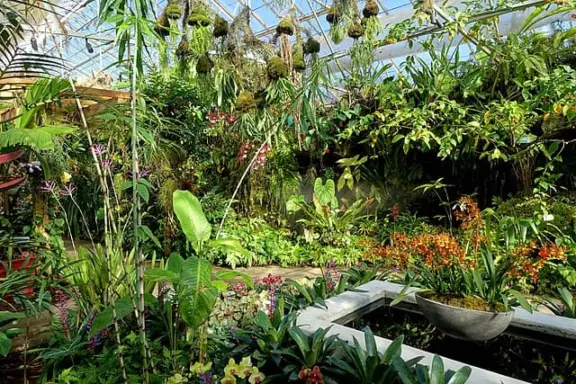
<point x="351" y="305"/>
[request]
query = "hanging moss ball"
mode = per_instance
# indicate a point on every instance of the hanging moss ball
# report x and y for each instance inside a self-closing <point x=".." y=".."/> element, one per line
<point x="220" y="27"/>
<point x="199" y="17"/>
<point x="355" y="31"/>
<point x="285" y="27"/>
<point x="311" y="46"/>
<point x="245" y="102"/>
<point x="371" y="9"/>
<point x="162" y="26"/>
<point x="332" y="16"/>
<point x="298" y="62"/>
<point x="204" y="64"/>
<point x="277" y="68"/>
<point x="173" y="11"/>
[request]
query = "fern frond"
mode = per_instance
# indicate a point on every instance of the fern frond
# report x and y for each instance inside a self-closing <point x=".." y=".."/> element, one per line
<point x="37" y="138"/>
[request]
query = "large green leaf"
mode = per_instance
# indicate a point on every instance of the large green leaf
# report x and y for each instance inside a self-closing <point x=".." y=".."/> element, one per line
<point x="196" y="273"/>
<point x="123" y="308"/>
<point x="159" y="274"/>
<point x="191" y="217"/>
<point x="5" y="344"/>
<point x="230" y="245"/>
<point x="325" y="193"/>
<point x="196" y="306"/>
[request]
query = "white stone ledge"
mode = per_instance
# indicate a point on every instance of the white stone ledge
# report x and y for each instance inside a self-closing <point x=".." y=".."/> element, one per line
<point x="349" y="302"/>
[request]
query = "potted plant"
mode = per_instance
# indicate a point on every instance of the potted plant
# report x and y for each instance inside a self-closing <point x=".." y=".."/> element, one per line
<point x="465" y="296"/>
<point x="13" y="258"/>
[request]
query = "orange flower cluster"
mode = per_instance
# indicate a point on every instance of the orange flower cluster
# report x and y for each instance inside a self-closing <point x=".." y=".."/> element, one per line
<point x="435" y="250"/>
<point x="528" y="260"/>
<point x="467" y="213"/>
<point x="396" y="255"/>
<point x="440" y="251"/>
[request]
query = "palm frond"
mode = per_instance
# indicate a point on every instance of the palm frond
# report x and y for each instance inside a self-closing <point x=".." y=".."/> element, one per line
<point x="15" y="61"/>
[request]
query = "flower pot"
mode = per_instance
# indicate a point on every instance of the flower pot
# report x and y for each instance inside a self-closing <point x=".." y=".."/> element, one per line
<point x="17" y="265"/>
<point x="462" y="323"/>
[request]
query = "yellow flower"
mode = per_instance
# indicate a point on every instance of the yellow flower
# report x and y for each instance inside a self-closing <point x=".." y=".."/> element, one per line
<point x="231" y="369"/>
<point x="199" y="369"/>
<point x="245" y="367"/>
<point x="256" y="377"/>
<point x="65" y="177"/>
<point x="228" y="380"/>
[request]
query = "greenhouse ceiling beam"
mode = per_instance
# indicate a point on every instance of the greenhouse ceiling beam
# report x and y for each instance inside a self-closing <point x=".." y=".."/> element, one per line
<point x="512" y="23"/>
<point x="306" y="17"/>
<point x="69" y="34"/>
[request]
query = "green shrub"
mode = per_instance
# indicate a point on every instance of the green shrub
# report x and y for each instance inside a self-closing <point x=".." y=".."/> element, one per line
<point x="562" y="207"/>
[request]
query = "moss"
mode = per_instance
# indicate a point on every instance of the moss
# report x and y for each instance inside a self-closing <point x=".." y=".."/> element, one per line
<point x="173" y="11"/>
<point x="311" y="46"/>
<point x="332" y="16"/>
<point x="199" y="17"/>
<point x="371" y="9"/>
<point x="220" y="27"/>
<point x="162" y="26"/>
<point x="285" y="27"/>
<point x="355" y="31"/>
<point x="466" y="302"/>
<point x="245" y="102"/>
<point x="298" y="62"/>
<point x="277" y="68"/>
<point x="204" y="64"/>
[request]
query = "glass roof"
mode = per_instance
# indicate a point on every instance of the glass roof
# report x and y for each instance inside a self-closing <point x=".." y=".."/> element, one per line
<point x="87" y="48"/>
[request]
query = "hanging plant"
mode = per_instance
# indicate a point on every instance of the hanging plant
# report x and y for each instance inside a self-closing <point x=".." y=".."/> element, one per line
<point x="355" y="31"/>
<point x="332" y="16"/>
<point x="277" y="68"/>
<point x="162" y="26"/>
<point x="260" y="98"/>
<point x="183" y="50"/>
<point x="371" y="9"/>
<point x="311" y="46"/>
<point x="220" y="27"/>
<point x="204" y="64"/>
<point x="173" y="10"/>
<point x="285" y="27"/>
<point x="245" y="102"/>
<point x="298" y="62"/>
<point x="199" y="18"/>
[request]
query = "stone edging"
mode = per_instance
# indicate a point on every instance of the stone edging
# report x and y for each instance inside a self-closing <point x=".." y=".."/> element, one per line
<point x="343" y="305"/>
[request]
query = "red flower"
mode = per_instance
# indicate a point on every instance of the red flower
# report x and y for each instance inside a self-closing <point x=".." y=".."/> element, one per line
<point x="544" y="253"/>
